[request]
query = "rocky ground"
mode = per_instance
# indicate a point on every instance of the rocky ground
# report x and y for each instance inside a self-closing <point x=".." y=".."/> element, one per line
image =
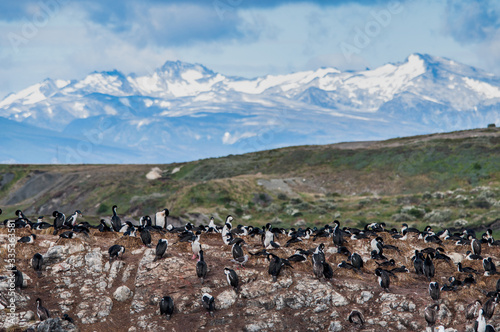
<point x="124" y="294"/>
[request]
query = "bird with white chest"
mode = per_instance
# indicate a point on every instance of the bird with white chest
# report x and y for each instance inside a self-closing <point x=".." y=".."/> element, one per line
<point x="268" y="238"/>
<point x="195" y="245"/>
<point x="232" y="278"/>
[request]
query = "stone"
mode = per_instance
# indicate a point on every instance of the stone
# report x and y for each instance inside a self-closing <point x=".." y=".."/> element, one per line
<point x="54" y="254"/>
<point x="338" y="300"/>
<point x="29" y="316"/>
<point x="50" y="325"/>
<point x="76" y="247"/>
<point x="300" y="223"/>
<point x="93" y="261"/>
<point x="460" y="223"/>
<point x="104" y="306"/>
<point x="122" y="293"/>
<point x="225" y="299"/>
<point x="335" y="326"/>
<point x="65" y="295"/>
<point x="365" y="296"/>
<point x="75" y="261"/>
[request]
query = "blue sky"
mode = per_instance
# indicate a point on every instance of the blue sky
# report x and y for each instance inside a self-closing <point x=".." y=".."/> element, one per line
<point x="69" y="39"/>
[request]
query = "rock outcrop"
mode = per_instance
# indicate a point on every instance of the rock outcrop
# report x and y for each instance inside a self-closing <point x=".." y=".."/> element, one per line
<point x="123" y="294"/>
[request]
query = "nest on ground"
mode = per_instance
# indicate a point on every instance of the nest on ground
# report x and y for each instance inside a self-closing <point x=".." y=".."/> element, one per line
<point x="129" y="242"/>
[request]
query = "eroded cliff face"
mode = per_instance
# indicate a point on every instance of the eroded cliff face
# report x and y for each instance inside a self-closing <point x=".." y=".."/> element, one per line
<point x="124" y="294"/>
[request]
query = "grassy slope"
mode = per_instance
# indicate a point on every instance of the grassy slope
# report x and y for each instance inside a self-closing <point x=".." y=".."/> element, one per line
<point x="357" y="183"/>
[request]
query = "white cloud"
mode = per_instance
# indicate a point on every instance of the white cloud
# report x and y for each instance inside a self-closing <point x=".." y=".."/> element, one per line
<point x="231" y="139"/>
<point x="82" y="38"/>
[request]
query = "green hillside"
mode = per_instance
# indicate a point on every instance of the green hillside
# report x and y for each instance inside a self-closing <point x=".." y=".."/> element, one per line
<point x="443" y="179"/>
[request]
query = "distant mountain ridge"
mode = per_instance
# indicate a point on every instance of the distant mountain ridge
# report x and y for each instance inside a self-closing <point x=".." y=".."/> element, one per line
<point x="184" y="111"/>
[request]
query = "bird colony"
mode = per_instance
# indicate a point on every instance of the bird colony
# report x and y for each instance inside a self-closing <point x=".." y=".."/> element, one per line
<point x="122" y="275"/>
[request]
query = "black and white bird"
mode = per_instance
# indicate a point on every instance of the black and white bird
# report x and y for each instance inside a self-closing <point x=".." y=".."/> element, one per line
<point x="430" y="314"/>
<point x="400" y="269"/>
<point x="116" y="222"/>
<point x="226" y="229"/>
<point x="59" y="219"/>
<point x="66" y="317"/>
<point x="432" y="238"/>
<point x="115" y="251"/>
<point x="356" y="261"/>
<point x="476" y="247"/>
<point x="237" y="250"/>
<point x="439" y="254"/>
<point x="388" y="263"/>
<point x="161" y="248"/>
<point x="489" y="267"/>
<point x="275" y="265"/>
<point x="145" y="236"/>
<point x="208" y="302"/>
<point x="167" y="306"/>
<point x="37" y="263"/>
<point x="18" y="278"/>
<point x="489" y="307"/>
<point x="377" y="245"/>
<point x="161" y="218"/>
<point x="40" y="224"/>
<point x="465" y="269"/>
<point x="343" y="251"/>
<point x="196" y="245"/>
<point x="300" y="255"/>
<point x="418" y="263"/>
<point x="71" y="220"/>
<point x="383" y="279"/>
<point x="345" y="265"/>
<point x="403" y="236"/>
<point x="41" y="311"/>
<point x="21" y="216"/>
<point x="356" y="318"/>
<point x="469" y="280"/>
<point x="472" y="256"/>
<point x="128" y="229"/>
<point x="337" y="236"/>
<point x="242" y="260"/>
<point x="212" y="228"/>
<point x="293" y="239"/>
<point x="429" y="269"/>
<point x="318" y="261"/>
<point x="268" y="238"/>
<point x="201" y="267"/>
<point x="320" y="252"/>
<point x="104" y="227"/>
<point x="472" y="310"/>
<point x="480" y="323"/>
<point x="322" y="232"/>
<point x="434" y="290"/>
<point x="327" y="270"/>
<point x="232" y="278"/>
<point x="66" y="235"/>
<point x="448" y="288"/>
<point x="228" y="239"/>
<point x="27" y="239"/>
<point x="454" y="281"/>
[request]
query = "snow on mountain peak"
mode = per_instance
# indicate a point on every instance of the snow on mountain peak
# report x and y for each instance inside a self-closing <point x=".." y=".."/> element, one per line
<point x="180" y="104"/>
<point x="31" y="95"/>
<point x="178" y="69"/>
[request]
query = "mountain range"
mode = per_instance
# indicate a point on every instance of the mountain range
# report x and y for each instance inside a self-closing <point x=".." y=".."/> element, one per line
<point x="184" y="111"/>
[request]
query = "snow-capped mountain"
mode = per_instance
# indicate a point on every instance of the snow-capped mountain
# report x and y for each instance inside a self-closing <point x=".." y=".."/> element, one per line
<point x="185" y="111"/>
